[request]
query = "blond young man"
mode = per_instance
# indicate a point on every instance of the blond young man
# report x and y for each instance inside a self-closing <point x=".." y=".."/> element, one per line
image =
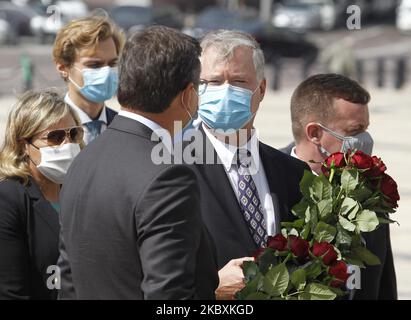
<point x="86" y="53"/>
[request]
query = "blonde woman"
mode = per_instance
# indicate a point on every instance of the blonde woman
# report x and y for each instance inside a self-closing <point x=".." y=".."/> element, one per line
<point x="43" y="135"/>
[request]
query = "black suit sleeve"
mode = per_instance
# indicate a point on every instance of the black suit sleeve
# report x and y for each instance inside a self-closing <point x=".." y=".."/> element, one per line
<point x="14" y="254"/>
<point x="388" y="284"/>
<point x="66" y="291"/>
<point x="169" y="231"/>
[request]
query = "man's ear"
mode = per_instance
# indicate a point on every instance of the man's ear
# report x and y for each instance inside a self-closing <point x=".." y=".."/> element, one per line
<point x="313" y="133"/>
<point x="262" y="87"/>
<point x="63" y="70"/>
<point x="186" y="95"/>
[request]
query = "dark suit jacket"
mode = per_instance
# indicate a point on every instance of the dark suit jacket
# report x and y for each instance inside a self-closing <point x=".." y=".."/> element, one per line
<point x="377" y="282"/>
<point x="29" y="233"/>
<point x="221" y="210"/>
<point x="132" y="229"/>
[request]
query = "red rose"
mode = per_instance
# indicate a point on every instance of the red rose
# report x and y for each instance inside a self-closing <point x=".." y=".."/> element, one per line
<point x="299" y="247"/>
<point x="336" y="158"/>
<point x="378" y="167"/>
<point x="258" y="253"/>
<point x="278" y="242"/>
<point x="390" y="189"/>
<point x="361" y="160"/>
<point x="339" y="271"/>
<point x="326" y="250"/>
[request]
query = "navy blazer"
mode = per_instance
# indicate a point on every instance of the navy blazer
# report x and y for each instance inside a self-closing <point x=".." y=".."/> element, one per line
<point x="29" y="234"/>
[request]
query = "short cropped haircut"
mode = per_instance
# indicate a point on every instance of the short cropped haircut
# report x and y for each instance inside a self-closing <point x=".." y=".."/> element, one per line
<point x="157" y="63"/>
<point x="313" y="100"/>
<point x="85" y="34"/>
<point x="226" y="41"/>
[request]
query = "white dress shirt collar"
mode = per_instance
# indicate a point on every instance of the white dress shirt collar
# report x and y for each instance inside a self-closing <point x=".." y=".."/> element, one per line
<point x="155" y="127"/>
<point x="84" y="118"/>
<point x="294" y="154"/>
<point x="227" y="152"/>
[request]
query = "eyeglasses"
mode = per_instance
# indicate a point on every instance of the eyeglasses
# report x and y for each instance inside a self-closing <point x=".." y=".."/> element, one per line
<point x="57" y="137"/>
<point x="202" y="86"/>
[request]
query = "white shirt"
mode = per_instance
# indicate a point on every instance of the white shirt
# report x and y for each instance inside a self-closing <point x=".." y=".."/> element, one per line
<point x="226" y="153"/>
<point x="293" y="154"/>
<point x="84" y="118"/>
<point x="155" y="127"/>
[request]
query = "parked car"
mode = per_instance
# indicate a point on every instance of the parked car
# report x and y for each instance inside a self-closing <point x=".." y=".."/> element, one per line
<point x="404" y="16"/>
<point x="132" y="18"/>
<point x="275" y="42"/>
<point x="18" y="19"/>
<point x="4" y="31"/>
<point x="308" y="14"/>
<point x="54" y="15"/>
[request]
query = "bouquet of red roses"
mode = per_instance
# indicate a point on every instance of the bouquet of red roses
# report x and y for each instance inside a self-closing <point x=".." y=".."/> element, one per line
<point x="353" y="195"/>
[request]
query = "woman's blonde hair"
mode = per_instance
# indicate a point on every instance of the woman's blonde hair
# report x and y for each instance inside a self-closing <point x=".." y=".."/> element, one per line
<point x="33" y="113"/>
<point x="85" y="33"/>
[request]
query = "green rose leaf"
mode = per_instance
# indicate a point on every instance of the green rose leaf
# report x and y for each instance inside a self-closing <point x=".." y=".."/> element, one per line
<point x="347" y="225"/>
<point x="257" y="296"/>
<point x="306" y="231"/>
<point x="300" y="208"/>
<point x="298" y="279"/>
<point x="266" y="259"/>
<point x="324" y="232"/>
<point x="317" y="291"/>
<point x="354" y="260"/>
<point x="321" y="189"/>
<point x="367" y="256"/>
<point x="343" y="237"/>
<point x="313" y="269"/>
<point x="349" y="180"/>
<point x="276" y="280"/>
<point x="366" y="221"/>
<point x="361" y="194"/>
<point x="298" y="224"/>
<point x="325" y="208"/>
<point x="349" y="207"/>
<point x="250" y="270"/>
<point x="306" y="182"/>
<point x="253" y="286"/>
<point x="371" y="203"/>
<point x="387" y="221"/>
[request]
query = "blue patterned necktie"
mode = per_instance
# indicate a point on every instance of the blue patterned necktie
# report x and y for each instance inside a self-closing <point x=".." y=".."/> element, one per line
<point x="250" y="202"/>
<point x="94" y="127"/>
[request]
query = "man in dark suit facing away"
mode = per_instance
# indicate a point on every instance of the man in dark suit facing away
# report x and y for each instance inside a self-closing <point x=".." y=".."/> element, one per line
<point x="329" y="113"/>
<point x="248" y="188"/>
<point x="131" y="228"/>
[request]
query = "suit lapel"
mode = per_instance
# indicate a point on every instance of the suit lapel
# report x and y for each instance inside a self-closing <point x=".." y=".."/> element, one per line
<point x="43" y="209"/>
<point x="276" y="180"/>
<point x="110" y="114"/>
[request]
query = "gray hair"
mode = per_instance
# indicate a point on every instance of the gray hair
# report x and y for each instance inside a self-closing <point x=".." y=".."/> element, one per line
<point x="226" y="41"/>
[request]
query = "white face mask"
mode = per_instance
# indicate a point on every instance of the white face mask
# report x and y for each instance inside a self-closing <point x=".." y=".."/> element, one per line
<point x="55" y="161"/>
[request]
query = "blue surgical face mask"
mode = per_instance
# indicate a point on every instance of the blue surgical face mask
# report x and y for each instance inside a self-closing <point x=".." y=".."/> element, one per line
<point x="226" y="107"/>
<point x="362" y="141"/>
<point x="99" y="84"/>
